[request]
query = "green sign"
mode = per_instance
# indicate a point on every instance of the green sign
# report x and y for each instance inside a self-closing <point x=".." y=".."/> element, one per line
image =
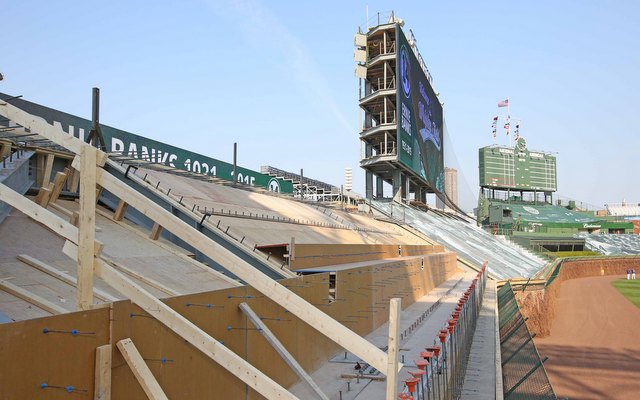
<point x="139" y="147"/>
<point x="420" y="131"/>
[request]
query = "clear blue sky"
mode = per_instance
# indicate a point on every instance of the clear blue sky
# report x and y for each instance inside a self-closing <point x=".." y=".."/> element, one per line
<point x="277" y="77"/>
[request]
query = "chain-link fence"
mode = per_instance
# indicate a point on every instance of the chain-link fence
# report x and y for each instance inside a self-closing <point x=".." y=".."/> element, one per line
<point x="523" y="373"/>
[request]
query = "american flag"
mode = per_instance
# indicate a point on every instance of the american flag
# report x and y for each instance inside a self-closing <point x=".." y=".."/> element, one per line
<point x="503" y="103"/>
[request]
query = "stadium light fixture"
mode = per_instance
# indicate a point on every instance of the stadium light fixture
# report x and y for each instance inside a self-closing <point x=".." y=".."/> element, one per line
<point x="1" y="76"/>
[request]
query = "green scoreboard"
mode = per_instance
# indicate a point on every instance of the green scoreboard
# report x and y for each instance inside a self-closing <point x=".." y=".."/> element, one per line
<point x="517" y="168"/>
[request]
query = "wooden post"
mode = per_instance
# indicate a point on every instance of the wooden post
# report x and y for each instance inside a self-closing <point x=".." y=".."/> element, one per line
<point x="279" y="347"/>
<point x="102" y="390"/>
<point x="155" y="231"/>
<point x="87" y="227"/>
<point x="44" y="195"/>
<point x="141" y="370"/>
<point x="395" y="308"/>
<point x="58" y="183"/>
<point x="121" y="210"/>
<point x="46" y="176"/>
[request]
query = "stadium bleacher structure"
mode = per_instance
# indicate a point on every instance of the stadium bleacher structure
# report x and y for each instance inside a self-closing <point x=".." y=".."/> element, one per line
<point x="612" y="245"/>
<point x="506" y="260"/>
<point x="624" y="209"/>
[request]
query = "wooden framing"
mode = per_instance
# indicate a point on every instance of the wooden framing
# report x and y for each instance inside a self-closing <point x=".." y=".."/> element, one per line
<point x="190" y="332"/>
<point x="102" y="387"/>
<point x="32" y="298"/>
<point x="170" y="318"/>
<point x="261" y="282"/>
<point x="141" y="370"/>
<point x="270" y="288"/>
<point x="86" y="226"/>
<point x="395" y="309"/>
<point x="282" y="351"/>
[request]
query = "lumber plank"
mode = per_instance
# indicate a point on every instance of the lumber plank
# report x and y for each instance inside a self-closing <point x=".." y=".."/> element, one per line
<point x="62" y="276"/>
<point x="141" y="370"/>
<point x="32" y="298"/>
<point x="58" y="183"/>
<point x="39" y="214"/>
<point x="46" y="176"/>
<point x="280" y="349"/>
<point x="86" y="227"/>
<point x="395" y="308"/>
<point x="151" y="282"/>
<point x="102" y="387"/>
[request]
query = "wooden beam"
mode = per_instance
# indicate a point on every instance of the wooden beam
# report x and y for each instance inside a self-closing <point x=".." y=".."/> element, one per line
<point x="86" y="226"/>
<point x="151" y="282"/>
<point x="279" y="347"/>
<point x="39" y="214"/>
<point x="267" y="286"/>
<point x="155" y="231"/>
<point x="32" y="298"/>
<point x="39" y="125"/>
<point x="102" y="387"/>
<point x="75" y="181"/>
<point x="121" y="210"/>
<point x="190" y="332"/>
<point x="62" y="276"/>
<point x="43" y="216"/>
<point x="66" y="212"/>
<point x="46" y="176"/>
<point x="141" y="370"/>
<point x="58" y="183"/>
<point x="395" y="308"/>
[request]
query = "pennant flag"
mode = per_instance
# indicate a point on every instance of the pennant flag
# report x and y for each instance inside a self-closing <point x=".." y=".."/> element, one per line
<point x="504" y="103"/>
<point x="495" y="119"/>
<point x="494" y="132"/>
<point x="516" y="131"/>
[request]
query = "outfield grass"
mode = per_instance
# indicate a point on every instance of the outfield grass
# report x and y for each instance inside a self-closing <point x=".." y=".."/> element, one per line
<point x="629" y="289"/>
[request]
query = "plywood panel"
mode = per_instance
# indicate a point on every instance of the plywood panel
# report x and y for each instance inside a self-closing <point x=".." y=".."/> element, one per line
<point x="316" y="255"/>
<point x="31" y="357"/>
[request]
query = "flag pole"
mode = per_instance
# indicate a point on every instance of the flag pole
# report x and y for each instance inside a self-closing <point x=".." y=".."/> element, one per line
<point x="509" y="120"/>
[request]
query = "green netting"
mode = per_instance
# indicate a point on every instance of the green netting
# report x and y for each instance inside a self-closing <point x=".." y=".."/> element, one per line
<point x="523" y="373"/>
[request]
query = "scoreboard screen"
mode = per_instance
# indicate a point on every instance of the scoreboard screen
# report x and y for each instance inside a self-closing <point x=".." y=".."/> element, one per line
<point x="517" y="168"/>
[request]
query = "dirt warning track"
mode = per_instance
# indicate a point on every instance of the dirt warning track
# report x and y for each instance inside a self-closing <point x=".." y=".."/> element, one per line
<point x="594" y="346"/>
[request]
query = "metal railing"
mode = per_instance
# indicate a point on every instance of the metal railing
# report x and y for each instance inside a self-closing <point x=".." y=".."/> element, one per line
<point x="524" y="375"/>
<point x="441" y="369"/>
